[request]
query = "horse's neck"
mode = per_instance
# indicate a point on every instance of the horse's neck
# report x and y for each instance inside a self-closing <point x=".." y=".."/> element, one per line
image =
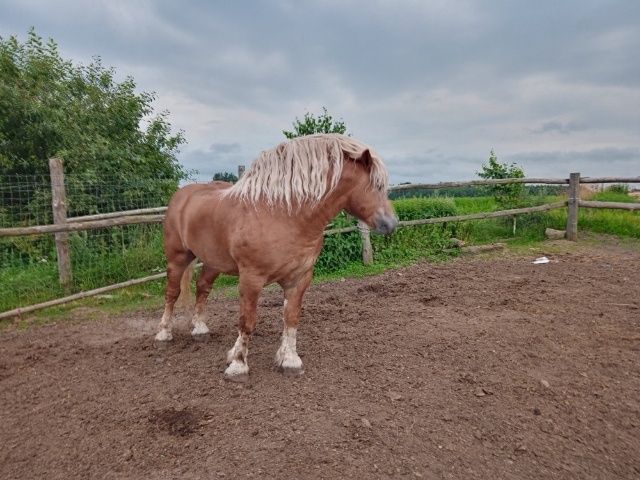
<point x="318" y="218"/>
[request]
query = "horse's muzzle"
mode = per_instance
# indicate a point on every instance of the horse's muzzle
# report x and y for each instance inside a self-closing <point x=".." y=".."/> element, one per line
<point x="385" y="224"/>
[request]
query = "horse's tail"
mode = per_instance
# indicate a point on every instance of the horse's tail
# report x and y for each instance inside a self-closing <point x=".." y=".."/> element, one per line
<point x="186" y="297"/>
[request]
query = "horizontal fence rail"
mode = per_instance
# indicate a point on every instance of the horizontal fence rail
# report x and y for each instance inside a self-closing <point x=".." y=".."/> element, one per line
<point x="614" y="205"/>
<point x="125" y="213"/>
<point x="156" y="215"/>
<point x="484" y="215"/>
<point x="78" y="226"/>
<point x="461" y="218"/>
<point x="79" y="296"/>
<point x="508" y="181"/>
<point x="609" y="179"/>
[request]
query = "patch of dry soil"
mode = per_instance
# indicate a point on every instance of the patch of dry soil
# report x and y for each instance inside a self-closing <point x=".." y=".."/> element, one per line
<point x="477" y="368"/>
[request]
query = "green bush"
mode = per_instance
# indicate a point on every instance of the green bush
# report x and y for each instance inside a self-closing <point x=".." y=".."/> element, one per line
<point x="410" y="243"/>
<point x="618" y="188"/>
<point x="416" y="208"/>
<point x="405" y="244"/>
<point x="341" y="249"/>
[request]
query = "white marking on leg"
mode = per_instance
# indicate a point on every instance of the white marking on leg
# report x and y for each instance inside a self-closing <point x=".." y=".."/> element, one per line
<point x="164" y="335"/>
<point x="287" y="356"/>
<point x="236" y="368"/>
<point x="237" y="348"/>
<point x="199" y="327"/>
<point x="237" y="357"/>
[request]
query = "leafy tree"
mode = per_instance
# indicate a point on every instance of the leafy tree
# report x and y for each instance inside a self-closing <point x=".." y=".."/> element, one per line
<point x="509" y="195"/>
<point x="310" y="124"/>
<point x="103" y="129"/>
<point x="225" y="177"/>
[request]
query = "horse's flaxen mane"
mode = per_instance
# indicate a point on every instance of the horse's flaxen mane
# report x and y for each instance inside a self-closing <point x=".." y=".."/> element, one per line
<point x="303" y="170"/>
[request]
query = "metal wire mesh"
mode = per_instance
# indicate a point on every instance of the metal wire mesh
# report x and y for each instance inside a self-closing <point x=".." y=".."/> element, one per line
<point x="100" y="257"/>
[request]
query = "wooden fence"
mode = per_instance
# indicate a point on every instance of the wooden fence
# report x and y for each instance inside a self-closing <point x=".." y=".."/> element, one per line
<point x="63" y="225"/>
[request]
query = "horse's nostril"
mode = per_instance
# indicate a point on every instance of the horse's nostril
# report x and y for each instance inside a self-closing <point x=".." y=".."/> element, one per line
<point x="385" y="225"/>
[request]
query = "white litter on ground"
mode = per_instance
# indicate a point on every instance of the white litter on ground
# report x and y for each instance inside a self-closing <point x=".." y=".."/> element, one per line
<point x="540" y="260"/>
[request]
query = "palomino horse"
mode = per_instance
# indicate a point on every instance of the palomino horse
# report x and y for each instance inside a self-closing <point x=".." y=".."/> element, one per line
<point x="268" y="228"/>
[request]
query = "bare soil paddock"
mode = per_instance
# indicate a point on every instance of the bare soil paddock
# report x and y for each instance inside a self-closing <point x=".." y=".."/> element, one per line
<point x="477" y="368"/>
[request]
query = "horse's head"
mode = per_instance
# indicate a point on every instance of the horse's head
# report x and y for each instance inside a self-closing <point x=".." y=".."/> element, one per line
<point x="368" y="199"/>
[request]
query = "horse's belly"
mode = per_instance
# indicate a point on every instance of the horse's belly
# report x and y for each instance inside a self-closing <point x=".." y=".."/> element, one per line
<point x="218" y="260"/>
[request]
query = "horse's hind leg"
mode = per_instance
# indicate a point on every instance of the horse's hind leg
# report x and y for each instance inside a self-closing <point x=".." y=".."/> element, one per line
<point x="203" y="287"/>
<point x="287" y="356"/>
<point x="175" y="268"/>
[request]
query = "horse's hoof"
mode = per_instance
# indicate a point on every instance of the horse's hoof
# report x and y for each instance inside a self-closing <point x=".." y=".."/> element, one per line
<point x="237" y="371"/>
<point x="199" y="329"/>
<point x="164" y="335"/>
<point x="288" y="361"/>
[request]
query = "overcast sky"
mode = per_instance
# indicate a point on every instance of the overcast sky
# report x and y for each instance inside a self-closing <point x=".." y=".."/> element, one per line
<point x="433" y="86"/>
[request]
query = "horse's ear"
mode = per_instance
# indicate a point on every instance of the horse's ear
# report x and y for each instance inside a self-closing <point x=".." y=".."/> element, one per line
<point x="365" y="158"/>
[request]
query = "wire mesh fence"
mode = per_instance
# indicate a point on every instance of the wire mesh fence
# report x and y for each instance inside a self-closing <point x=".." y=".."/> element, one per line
<point x="99" y="257"/>
<point x="102" y="257"/>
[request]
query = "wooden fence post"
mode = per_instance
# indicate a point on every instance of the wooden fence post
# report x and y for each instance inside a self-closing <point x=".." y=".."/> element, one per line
<point x="572" y="207"/>
<point x="240" y="171"/>
<point x="367" y="249"/>
<point x="59" y="206"/>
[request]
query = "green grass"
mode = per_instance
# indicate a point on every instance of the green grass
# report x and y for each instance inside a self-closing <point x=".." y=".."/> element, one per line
<point x="613" y="222"/>
<point x="609" y="196"/>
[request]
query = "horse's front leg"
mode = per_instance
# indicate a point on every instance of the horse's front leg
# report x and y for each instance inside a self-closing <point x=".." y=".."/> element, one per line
<point x="249" y="287"/>
<point x="287" y="356"/>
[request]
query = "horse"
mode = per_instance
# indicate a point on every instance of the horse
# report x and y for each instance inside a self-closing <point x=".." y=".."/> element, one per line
<point x="268" y="228"/>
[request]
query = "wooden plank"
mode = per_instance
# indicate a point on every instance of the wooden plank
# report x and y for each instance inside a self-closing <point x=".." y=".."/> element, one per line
<point x="609" y="179"/>
<point x="334" y="231"/>
<point x="573" y="204"/>
<point x="504" y="181"/>
<point x="615" y="205"/>
<point x="89" y="293"/>
<point x="497" y="181"/>
<point x="473" y="249"/>
<point x="462" y="218"/>
<point x="59" y="206"/>
<point x="74" y="227"/>
<point x="124" y="213"/>
<point x="484" y="215"/>
<point x="367" y="249"/>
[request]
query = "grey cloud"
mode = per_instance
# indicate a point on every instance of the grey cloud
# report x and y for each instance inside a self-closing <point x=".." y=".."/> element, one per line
<point x="224" y="148"/>
<point x="629" y="156"/>
<point x="438" y="166"/>
<point x="219" y="157"/>
<point x="554" y="126"/>
<point x="608" y="161"/>
<point x="453" y="77"/>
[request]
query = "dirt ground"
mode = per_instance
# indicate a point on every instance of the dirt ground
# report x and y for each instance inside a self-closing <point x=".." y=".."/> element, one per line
<point x="475" y="368"/>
